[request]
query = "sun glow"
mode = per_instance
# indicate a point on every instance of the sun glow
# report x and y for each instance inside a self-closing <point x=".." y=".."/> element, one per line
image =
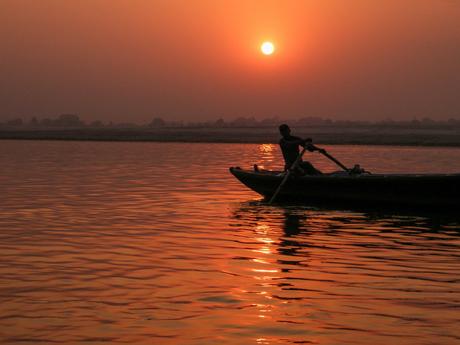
<point x="267" y="48"/>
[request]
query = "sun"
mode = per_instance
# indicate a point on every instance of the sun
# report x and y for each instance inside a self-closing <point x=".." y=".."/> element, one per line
<point x="267" y="48"/>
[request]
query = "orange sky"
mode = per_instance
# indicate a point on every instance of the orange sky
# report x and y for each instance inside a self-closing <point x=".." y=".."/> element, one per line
<point x="131" y="60"/>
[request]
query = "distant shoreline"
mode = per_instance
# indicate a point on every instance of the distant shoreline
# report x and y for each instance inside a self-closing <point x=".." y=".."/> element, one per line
<point x="320" y="135"/>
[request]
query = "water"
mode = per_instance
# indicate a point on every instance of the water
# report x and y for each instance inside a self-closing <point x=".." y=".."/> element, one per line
<point x="150" y="243"/>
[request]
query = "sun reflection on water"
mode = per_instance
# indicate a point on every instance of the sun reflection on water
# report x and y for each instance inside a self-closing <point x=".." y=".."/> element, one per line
<point x="266" y="148"/>
<point x="117" y="247"/>
<point x="267" y="155"/>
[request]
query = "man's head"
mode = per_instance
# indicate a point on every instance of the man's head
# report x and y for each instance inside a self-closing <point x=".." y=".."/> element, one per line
<point x="284" y="130"/>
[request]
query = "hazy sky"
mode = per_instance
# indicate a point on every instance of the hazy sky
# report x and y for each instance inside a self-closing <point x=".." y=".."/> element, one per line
<point x="132" y="60"/>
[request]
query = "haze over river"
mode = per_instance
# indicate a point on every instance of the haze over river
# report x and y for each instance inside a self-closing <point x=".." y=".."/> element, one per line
<point x="156" y="243"/>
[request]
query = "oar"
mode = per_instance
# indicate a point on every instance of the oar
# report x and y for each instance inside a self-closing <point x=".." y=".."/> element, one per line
<point x="288" y="173"/>
<point x="324" y="152"/>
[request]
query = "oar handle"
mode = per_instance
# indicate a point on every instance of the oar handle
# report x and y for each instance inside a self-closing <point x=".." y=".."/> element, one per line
<point x="324" y="152"/>
<point x="335" y="161"/>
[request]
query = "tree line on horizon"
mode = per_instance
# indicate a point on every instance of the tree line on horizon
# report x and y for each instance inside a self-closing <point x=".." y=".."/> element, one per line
<point x="64" y="121"/>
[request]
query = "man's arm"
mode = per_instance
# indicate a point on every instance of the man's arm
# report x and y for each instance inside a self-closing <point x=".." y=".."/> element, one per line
<point x="295" y="141"/>
<point x="310" y="147"/>
<point x="307" y="143"/>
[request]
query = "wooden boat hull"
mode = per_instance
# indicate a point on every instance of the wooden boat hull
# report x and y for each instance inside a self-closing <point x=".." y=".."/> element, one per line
<point x="431" y="191"/>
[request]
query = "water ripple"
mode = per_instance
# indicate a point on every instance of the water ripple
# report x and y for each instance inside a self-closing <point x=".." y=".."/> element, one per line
<point x="139" y="243"/>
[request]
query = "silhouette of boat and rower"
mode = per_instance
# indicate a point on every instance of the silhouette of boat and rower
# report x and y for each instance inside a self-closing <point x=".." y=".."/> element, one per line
<point x="300" y="181"/>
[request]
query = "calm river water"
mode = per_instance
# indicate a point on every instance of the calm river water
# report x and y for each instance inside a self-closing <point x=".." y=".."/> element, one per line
<point x="156" y="243"/>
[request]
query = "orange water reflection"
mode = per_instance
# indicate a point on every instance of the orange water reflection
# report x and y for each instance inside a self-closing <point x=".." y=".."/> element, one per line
<point x="140" y="243"/>
<point x="297" y="276"/>
<point x="267" y="156"/>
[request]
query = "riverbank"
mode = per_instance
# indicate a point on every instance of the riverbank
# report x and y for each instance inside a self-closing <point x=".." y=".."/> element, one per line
<point x="320" y="135"/>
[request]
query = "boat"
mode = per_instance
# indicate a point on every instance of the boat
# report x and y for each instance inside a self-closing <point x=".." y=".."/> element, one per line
<point x="432" y="191"/>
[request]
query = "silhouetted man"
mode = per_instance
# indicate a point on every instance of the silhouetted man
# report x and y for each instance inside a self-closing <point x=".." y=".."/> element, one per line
<point x="290" y="148"/>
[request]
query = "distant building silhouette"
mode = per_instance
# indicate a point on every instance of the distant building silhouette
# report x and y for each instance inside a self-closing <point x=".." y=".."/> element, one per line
<point x="15" y="123"/>
<point x="34" y="122"/>
<point x="69" y="120"/>
<point x="157" y="122"/>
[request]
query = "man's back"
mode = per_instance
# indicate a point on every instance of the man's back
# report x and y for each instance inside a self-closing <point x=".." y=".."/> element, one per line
<point x="290" y="148"/>
<point x="289" y="145"/>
